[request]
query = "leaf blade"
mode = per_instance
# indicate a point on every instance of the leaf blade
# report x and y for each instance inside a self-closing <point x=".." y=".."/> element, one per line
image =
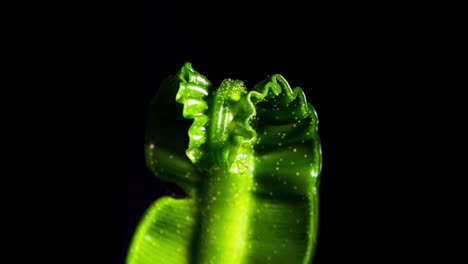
<point x="165" y="233"/>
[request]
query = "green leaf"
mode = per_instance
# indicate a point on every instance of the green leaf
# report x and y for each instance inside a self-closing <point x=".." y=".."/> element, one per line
<point x="250" y="166"/>
<point x="165" y="233"/>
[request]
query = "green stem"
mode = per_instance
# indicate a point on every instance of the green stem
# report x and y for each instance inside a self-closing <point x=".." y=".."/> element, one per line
<point x="224" y="217"/>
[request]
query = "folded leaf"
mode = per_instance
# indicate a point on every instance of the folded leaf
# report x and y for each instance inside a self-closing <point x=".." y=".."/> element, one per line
<point x="249" y="165"/>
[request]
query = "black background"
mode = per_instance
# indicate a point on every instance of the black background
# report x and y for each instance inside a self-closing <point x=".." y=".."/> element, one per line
<point x="356" y="67"/>
<point x="371" y="71"/>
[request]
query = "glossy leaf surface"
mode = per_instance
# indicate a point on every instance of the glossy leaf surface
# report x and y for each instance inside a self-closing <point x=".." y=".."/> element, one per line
<point x="249" y="162"/>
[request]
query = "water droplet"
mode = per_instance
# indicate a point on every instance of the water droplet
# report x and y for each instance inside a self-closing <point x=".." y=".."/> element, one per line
<point x="277" y="168"/>
<point x="297" y="173"/>
<point x="295" y="187"/>
<point x="305" y="155"/>
<point x="294" y="149"/>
